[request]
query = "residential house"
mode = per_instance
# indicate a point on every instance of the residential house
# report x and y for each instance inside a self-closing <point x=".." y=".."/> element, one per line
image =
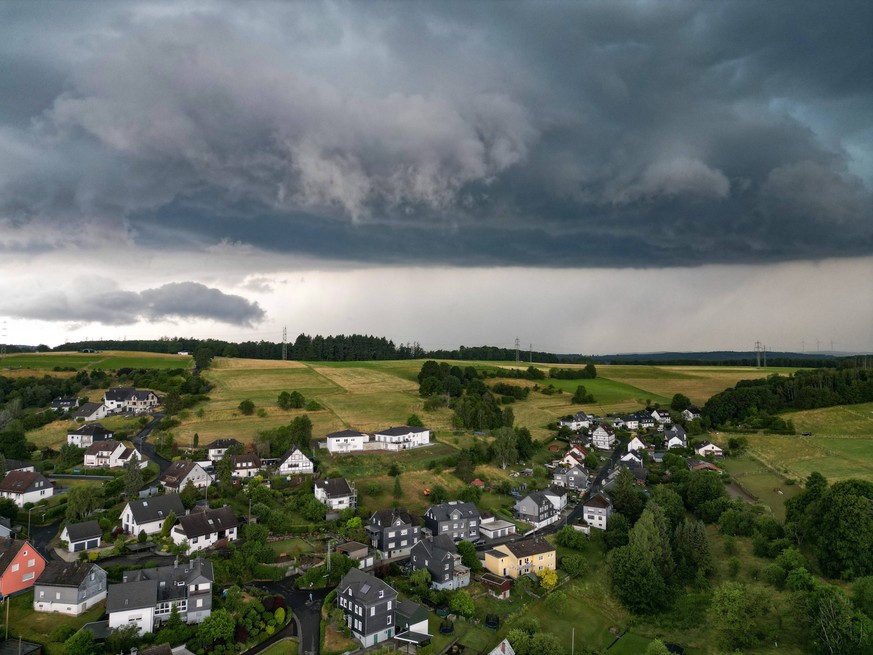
<point x="455" y="519"/>
<point x="662" y="416"/>
<point x="632" y="459"/>
<point x="206" y="528"/>
<point x="636" y="444"/>
<point x="90" y="412"/>
<point x="88" y="434"/>
<point x="492" y="528"/>
<point x="439" y="555"/>
<point x="109" y="454"/>
<point x="129" y="399"/>
<point x="358" y="552"/>
<point x="646" y="421"/>
<point x="217" y="449"/>
<point x="631" y="422"/>
<point x="574" y="457"/>
<point x="536" y="509"/>
<point x="411" y="621"/>
<point x="18" y="465"/>
<point x="246" y="466"/>
<point x="403" y="437"/>
<point x="576" y="421"/>
<point x="82" y="536"/>
<point x="24" y="487"/>
<point x="20" y="566"/>
<point x="337" y="493"/>
<point x="691" y="413"/>
<point x="69" y="588"/>
<point x="346" y="441"/>
<point x="146" y="596"/>
<point x="6" y="529"/>
<point x="708" y="448"/>
<point x="603" y="437"/>
<point x="392" y="532"/>
<point x="64" y="404"/>
<point x="183" y="471"/>
<point x="556" y="495"/>
<point x="148" y="515"/>
<point x="575" y="477"/>
<point x="519" y="558"/>
<point x="294" y="462"/>
<point x="597" y="510"/>
<point x="368" y="605"/>
<point x="675" y="437"/>
<point x="618" y="422"/>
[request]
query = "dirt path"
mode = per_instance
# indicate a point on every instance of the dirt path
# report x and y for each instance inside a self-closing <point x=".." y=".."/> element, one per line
<point x="737" y="491"/>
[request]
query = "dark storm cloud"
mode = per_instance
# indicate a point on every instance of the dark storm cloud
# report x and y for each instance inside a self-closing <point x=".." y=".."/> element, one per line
<point x="177" y="300"/>
<point x="608" y="134"/>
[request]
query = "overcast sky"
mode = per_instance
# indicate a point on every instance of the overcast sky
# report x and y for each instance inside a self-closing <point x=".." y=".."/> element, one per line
<point x="589" y="177"/>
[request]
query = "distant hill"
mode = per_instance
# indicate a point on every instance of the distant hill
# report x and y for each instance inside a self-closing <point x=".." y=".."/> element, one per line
<point x="720" y="357"/>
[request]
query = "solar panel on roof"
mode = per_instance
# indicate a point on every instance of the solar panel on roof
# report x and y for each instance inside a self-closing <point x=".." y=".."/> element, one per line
<point x="365" y="588"/>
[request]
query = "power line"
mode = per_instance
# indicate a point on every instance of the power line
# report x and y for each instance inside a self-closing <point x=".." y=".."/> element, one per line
<point x="285" y="343"/>
<point x="517" y="345"/>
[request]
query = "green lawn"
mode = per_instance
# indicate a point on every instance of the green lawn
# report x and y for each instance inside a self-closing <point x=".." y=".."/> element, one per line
<point x="840" y="421"/>
<point x="282" y="647"/>
<point x="291" y="547"/>
<point x="109" y="360"/>
<point x="39" y="626"/>
<point x="761" y="482"/>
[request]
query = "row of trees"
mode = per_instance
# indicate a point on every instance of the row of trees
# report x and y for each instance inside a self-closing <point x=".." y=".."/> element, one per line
<point x="802" y="390"/>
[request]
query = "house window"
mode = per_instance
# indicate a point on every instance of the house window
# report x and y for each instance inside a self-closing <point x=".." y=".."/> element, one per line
<point x="389" y="605"/>
<point x="199" y="602"/>
<point x="57" y="595"/>
<point x="389" y="619"/>
<point x="14" y="568"/>
<point x="27" y="576"/>
<point x="372" y="611"/>
<point x="41" y="594"/>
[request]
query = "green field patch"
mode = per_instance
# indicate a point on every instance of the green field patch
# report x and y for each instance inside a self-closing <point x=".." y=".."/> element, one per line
<point x="839" y="421"/>
<point x="109" y="360"/>
<point x="766" y="485"/>
<point x="798" y="456"/>
<point x="287" y="646"/>
<point x="294" y="547"/>
<point x="607" y="391"/>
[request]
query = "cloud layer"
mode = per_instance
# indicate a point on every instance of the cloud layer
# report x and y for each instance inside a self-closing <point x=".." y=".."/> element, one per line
<point x="566" y="134"/>
<point x="169" y="302"/>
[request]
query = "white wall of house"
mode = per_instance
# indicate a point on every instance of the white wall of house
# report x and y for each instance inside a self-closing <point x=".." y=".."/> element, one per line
<point x="296" y="464"/>
<point x="42" y="603"/>
<point x="143" y="617"/>
<point x="29" y="497"/>
<point x="132" y="527"/>
<point x="202" y="542"/>
<point x="346" y="444"/>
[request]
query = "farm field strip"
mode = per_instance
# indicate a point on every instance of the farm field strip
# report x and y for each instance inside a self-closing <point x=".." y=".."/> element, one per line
<point x="109" y="360"/>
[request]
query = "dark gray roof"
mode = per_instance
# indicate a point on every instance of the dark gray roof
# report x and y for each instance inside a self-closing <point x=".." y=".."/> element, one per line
<point x="132" y="595"/>
<point x="93" y="429"/>
<point x="105" y="446"/>
<point x="539" y="499"/>
<point x="223" y="443"/>
<point x="156" y="508"/>
<point x="119" y="393"/>
<point x="249" y="460"/>
<point x="65" y="574"/>
<point x="142" y="588"/>
<point x="86" y="409"/>
<point x="365" y="587"/>
<point x="386" y="517"/>
<point x="84" y="530"/>
<point x="346" y="433"/>
<point x="437" y="547"/>
<point x="529" y="548"/>
<point x="443" y="511"/>
<point x="8" y="550"/>
<point x="403" y="429"/>
<point x="335" y="487"/>
<point x="197" y="524"/>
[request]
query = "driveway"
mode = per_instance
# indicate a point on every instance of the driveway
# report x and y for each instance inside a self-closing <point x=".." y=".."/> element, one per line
<point x="308" y="612"/>
<point x="148" y="449"/>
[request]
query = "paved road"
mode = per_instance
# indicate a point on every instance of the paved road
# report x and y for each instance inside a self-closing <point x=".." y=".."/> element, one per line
<point x="307" y="612"/>
<point x="148" y="449"/>
<point x="41" y="536"/>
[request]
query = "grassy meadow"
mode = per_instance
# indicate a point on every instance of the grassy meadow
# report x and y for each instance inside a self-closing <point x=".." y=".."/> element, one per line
<point x="106" y="360"/>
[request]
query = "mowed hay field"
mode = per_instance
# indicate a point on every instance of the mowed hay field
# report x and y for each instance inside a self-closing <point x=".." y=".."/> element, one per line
<point x="699" y="383"/>
<point x="378" y="394"/>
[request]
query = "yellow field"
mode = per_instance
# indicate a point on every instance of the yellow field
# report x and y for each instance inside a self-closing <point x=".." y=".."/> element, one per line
<point x="696" y="382"/>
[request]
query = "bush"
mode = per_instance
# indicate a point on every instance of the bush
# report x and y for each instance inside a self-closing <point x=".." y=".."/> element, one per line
<point x="247" y="407"/>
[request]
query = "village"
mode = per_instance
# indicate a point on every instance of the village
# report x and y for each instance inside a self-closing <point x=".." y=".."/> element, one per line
<point x="171" y="523"/>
